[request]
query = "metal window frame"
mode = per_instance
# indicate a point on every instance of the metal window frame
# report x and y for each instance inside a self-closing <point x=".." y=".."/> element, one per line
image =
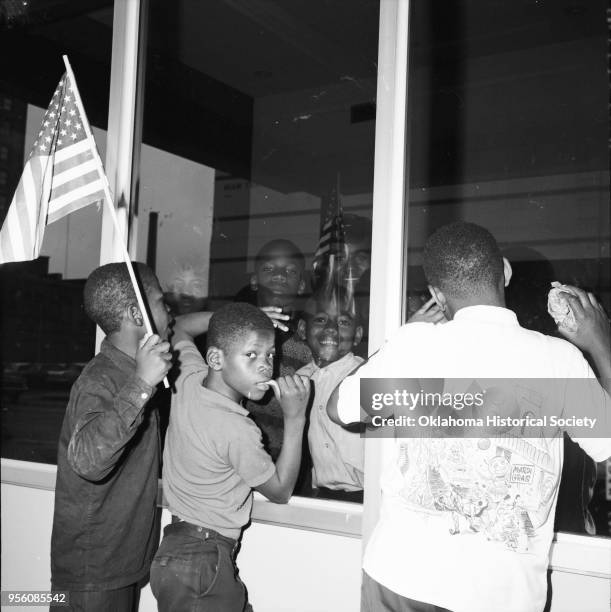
<point x="123" y="137"/>
<point x="389" y="244"/>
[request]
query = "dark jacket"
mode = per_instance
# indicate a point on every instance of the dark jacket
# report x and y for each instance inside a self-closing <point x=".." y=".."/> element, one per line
<point x="106" y="523"/>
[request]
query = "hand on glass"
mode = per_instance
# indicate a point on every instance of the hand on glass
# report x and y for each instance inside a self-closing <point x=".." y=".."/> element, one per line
<point x="277" y="316"/>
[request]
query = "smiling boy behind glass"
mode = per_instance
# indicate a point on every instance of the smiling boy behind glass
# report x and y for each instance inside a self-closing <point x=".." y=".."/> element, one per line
<point x="331" y="327"/>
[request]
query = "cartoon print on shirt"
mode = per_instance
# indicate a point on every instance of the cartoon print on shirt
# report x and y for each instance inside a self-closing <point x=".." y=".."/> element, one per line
<point x="501" y="488"/>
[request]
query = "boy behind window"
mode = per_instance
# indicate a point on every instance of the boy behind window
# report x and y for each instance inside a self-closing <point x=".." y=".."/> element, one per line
<point x="331" y="328"/>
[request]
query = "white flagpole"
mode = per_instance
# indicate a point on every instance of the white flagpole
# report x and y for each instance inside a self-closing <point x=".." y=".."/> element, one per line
<point x="111" y="206"/>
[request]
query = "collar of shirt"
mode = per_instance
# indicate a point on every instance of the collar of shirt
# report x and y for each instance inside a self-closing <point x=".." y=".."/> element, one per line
<point x="487" y="314"/>
<point x="217" y="400"/>
<point x="118" y="357"/>
<point x="345" y="363"/>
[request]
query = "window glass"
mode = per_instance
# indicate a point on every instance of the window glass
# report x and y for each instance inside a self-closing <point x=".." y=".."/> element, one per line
<point x="259" y="121"/>
<point x="509" y="128"/>
<point x="46" y="337"/>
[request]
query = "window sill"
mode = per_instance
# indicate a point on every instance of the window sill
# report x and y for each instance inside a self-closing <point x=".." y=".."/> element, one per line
<point x="327" y="516"/>
<point x="335" y="517"/>
<point x="571" y="553"/>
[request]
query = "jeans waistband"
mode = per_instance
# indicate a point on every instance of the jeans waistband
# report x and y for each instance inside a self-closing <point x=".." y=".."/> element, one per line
<point x="197" y="531"/>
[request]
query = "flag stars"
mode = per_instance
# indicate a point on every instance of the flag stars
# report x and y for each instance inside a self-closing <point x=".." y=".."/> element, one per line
<point x="47" y="138"/>
<point x="72" y="112"/>
<point x="63" y="132"/>
<point x="68" y="122"/>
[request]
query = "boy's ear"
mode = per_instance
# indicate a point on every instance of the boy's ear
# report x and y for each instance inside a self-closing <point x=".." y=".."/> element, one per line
<point x="135" y="316"/>
<point x="214" y="358"/>
<point x="507" y="271"/>
<point x="301" y="329"/>
<point x="358" y="335"/>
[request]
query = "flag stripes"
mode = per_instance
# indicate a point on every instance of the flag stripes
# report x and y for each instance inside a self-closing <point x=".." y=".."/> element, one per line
<point x="62" y="174"/>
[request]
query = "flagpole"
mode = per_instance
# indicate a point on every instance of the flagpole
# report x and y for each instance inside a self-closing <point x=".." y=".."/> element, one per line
<point x="111" y="206"/>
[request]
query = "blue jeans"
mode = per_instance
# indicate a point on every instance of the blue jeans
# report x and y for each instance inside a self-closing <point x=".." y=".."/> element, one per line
<point x="194" y="569"/>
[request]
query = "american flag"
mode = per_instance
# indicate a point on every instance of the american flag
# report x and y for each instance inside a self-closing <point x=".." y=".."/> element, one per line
<point x="63" y="173"/>
<point x="332" y="234"/>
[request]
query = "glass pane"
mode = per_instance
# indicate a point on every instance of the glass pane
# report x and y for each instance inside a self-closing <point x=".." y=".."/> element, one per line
<point x="46" y="337"/>
<point x="265" y="138"/>
<point x="509" y="127"/>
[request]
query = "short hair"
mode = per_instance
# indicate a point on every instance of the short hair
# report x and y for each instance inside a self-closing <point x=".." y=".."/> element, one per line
<point x="340" y="294"/>
<point x="109" y="291"/>
<point x="462" y="259"/>
<point x="289" y="248"/>
<point x="230" y="323"/>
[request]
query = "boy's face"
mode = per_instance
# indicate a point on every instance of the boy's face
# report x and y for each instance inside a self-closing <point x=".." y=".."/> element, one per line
<point x="330" y="332"/>
<point x="160" y="311"/>
<point x="358" y="261"/>
<point x="279" y="278"/>
<point x="247" y="365"/>
<point x="187" y="292"/>
<point x="350" y="264"/>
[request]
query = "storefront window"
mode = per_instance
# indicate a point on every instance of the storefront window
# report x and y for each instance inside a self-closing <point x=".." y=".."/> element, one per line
<point x="509" y="128"/>
<point x="46" y="337"/>
<point x="259" y="124"/>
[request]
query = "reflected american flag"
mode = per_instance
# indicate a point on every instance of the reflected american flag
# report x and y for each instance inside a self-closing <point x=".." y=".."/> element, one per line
<point x="332" y="234"/>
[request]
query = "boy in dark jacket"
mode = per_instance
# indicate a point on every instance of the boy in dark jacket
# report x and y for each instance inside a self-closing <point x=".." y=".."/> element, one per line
<point x="105" y="524"/>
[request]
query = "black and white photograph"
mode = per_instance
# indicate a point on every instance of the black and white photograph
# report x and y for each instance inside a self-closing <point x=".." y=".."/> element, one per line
<point x="305" y="305"/>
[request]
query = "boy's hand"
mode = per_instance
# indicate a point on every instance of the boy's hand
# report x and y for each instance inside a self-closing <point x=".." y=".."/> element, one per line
<point x="292" y="392"/>
<point x="593" y="332"/>
<point x="428" y="313"/>
<point x="277" y="316"/>
<point x="153" y="360"/>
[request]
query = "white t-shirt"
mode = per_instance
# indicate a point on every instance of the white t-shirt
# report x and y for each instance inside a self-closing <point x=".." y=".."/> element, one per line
<point x="467" y="524"/>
